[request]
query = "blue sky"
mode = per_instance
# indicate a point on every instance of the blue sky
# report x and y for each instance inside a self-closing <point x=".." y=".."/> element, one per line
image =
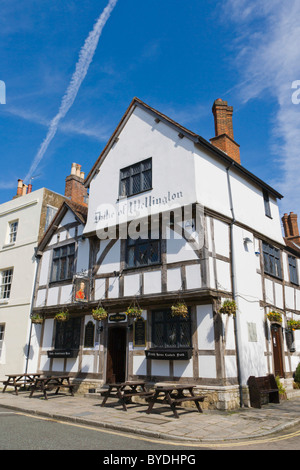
<point x="175" y="55"/>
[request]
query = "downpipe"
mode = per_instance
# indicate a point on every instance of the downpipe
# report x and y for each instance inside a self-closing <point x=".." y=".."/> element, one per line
<point x="233" y="280"/>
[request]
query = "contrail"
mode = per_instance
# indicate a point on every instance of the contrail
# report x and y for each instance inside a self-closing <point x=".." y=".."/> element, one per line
<point x="85" y="58"/>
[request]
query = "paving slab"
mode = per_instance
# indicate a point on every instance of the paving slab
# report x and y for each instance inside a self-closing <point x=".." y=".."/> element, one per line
<point x="210" y="426"/>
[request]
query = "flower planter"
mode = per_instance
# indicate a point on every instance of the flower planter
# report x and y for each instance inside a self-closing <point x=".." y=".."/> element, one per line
<point x="134" y="312"/>
<point x="99" y="314"/>
<point x="274" y="316"/>
<point x="293" y="324"/>
<point x="228" y="307"/>
<point x="179" y="310"/>
<point x="62" y="316"/>
<point x="37" y="319"/>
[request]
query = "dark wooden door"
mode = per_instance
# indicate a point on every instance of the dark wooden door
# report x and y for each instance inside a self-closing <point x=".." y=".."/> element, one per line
<point x="277" y="349"/>
<point x="116" y="355"/>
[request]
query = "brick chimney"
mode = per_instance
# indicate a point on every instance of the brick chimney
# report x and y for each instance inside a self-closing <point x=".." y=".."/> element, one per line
<point x="290" y="227"/>
<point x="74" y="189"/>
<point x="224" y="139"/>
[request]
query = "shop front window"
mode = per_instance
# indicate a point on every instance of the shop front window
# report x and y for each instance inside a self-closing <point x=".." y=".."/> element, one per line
<point x="67" y="335"/>
<point x="169" y="331"/>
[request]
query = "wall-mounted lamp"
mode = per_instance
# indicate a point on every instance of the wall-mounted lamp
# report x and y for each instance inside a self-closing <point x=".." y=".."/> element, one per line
<point x="247" y="240"/>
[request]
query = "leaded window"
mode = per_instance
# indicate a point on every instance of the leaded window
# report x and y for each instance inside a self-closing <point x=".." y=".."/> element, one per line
<point x="136" y="178"/>
<point x="272" y="263"/>
<point x="63" y="263"/>
<point x="142" y="252"/>
<point x="169" y="331"/>
<point x="293" y="269"/>
<point x="67" y="334"/>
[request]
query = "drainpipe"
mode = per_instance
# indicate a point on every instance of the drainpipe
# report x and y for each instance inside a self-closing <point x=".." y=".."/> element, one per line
<point x="233" y="279"/>
<point x="31" y="307"/>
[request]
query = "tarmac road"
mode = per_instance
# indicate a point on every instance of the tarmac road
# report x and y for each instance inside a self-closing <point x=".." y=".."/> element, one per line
<point x="20" y="431"/>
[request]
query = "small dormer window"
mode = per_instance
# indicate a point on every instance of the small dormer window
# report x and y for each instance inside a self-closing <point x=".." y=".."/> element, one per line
<point x="136" y="178"/>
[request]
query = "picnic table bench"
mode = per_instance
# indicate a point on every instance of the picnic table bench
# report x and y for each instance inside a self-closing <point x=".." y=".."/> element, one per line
<point x="174" y="395"/>
<point x="259" y="387"/>
<point x="19" y="380"/>
<point x="124" y="391"/>
<point x="50" y="382"/>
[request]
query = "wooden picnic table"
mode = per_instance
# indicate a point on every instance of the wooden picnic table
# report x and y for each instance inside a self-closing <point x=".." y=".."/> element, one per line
<point x="125" y="391"/>
<point x="174" y="395"/>
<point x="19" y="380"/>
<point x="49" y="382"/>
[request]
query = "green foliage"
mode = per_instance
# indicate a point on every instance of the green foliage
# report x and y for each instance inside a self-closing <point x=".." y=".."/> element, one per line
<point x="99" y="313"/>
<point x="281" y="388"/>
<point x="228" y="307"/>
<point x="297" y="374"/>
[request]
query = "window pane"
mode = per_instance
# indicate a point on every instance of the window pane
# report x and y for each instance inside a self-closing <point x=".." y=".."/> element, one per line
<point x="136" y="184"/>
<point x="146" y="179"/>
<point x="124" y="189"/>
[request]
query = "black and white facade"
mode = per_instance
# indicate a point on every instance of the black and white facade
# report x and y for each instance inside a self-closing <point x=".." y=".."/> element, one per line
<point x="170" y="218"/>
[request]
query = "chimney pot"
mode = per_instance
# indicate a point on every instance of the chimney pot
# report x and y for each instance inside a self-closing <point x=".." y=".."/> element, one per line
<point x="73" y="169"/>
<point x="20" y="187"/>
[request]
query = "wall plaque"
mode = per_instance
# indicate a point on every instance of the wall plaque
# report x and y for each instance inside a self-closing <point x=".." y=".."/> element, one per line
<point x="116" y="317"/>
<point x="57" y="353"/>
<point x="169" y="354"/>
<point x="139" y="332"/>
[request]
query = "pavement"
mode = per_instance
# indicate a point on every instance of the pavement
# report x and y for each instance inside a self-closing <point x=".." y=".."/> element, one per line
<point x="209" y="426"/>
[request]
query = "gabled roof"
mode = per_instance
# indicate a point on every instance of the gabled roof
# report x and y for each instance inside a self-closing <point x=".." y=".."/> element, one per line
<point x="197" y="139"/>
<point x="79" y="211"/>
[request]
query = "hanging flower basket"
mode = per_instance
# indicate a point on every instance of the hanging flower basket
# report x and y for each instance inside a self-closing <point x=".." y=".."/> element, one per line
<point x="293" y="324"/>
<point x="99" y="313"/>
<point x="228" y="307"/>
<point x="62" y="316"/>
<point x="274" y="316"/>
<point x="37" y="319"/>
<point x="134" y="312"/>
<point x="179" y="310"/>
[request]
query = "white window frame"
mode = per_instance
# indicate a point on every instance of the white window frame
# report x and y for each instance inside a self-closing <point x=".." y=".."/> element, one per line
<point x="6" y="277"/>
<point x="12" y="231"/>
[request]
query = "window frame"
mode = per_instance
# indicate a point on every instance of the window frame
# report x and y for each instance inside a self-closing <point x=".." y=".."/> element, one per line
<point x="73" y="326"/>
<point x="293" y="270"/>
<point x="5" y="287"/>
<point x="272" y="260"/>
<point x="165" y="322"/>
<point x="12" y="231"/>
<point x="136" y="244"/>
<point x="57" y="258"/>
<point x="267" y="205"/>
<point x="132" y="174"/>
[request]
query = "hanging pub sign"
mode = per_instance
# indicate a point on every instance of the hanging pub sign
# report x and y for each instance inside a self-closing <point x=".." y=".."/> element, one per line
<point x="139" y="332"/>
<point x="81" y="289"/>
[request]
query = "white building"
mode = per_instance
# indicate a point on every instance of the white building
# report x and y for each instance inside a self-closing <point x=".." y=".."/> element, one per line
<point x="151" y="171"/>
<point x="23" y="222"/>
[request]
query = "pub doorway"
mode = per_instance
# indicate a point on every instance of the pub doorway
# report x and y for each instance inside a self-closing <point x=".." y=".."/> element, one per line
<point x="116" y="355"/>
<point x="277" y="349"/>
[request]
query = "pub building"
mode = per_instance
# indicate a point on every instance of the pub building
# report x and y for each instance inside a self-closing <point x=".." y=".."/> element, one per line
<point x="180" y="249"/>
